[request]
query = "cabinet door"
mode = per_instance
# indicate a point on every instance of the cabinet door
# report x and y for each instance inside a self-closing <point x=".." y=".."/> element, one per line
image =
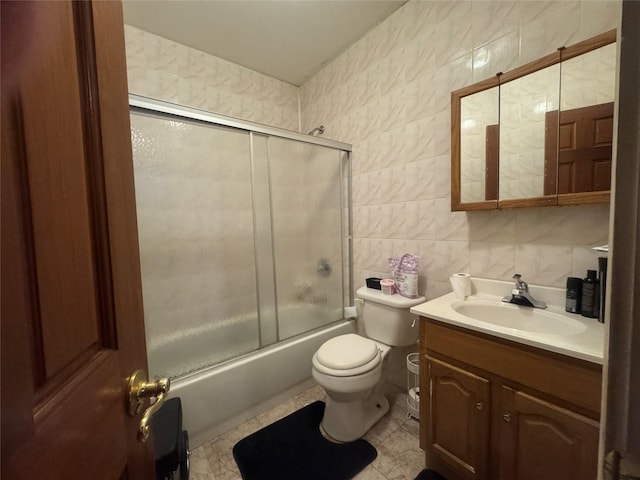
<point x="541" y="440"/>
<point x="458" y="416"/>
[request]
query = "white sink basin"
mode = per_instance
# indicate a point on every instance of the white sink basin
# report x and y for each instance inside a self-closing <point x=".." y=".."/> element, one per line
<point x="519" y="318"/>
<point x="550" y="329"/>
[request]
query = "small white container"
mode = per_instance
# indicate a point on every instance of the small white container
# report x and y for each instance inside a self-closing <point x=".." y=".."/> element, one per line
<point x="388" y="286"/>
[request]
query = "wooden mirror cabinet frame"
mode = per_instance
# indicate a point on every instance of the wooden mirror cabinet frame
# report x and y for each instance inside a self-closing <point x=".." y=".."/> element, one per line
<point x="562" y="54"/>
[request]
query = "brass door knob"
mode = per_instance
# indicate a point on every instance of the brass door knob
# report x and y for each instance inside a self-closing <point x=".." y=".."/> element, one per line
<point x="139" y="389"/>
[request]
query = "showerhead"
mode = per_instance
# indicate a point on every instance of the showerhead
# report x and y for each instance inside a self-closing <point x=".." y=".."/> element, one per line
<point x="319" y="129"/>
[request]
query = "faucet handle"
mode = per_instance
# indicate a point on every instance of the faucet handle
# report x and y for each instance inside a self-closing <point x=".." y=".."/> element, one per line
<point x="520" y="284"/>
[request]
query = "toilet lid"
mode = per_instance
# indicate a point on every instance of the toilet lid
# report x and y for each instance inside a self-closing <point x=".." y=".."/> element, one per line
<point x="346" y="352"/>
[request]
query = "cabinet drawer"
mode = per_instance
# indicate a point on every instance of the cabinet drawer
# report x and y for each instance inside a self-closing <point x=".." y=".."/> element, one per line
<point x="572" y="380"/>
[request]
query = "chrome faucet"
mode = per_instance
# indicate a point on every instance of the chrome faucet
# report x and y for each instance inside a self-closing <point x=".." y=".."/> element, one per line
<point x="521" y="296"/>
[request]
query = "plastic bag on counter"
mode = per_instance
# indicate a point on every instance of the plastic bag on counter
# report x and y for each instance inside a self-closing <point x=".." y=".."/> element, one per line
<point x="404" y="271"/>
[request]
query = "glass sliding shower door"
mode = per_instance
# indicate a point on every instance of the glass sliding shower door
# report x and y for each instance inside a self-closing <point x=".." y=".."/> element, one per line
<point x="306" y="200"/>
<point x="243" y="234"/>
<point x="195" y="224"/>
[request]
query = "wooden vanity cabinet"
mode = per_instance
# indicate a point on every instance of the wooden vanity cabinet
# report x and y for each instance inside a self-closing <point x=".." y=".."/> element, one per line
<point x="499" y="410"/>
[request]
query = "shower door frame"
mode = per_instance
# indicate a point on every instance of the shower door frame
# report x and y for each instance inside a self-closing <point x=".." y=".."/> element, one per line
<point x="158" y="108"/>
<point x="142" y="104"/>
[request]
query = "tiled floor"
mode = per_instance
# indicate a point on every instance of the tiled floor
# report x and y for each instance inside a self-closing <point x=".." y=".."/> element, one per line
<point x="395" y="438"/>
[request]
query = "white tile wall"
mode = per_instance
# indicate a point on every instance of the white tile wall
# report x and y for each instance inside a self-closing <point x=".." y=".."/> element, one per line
<point x="389" y="95"/>
<point x="166" y="70"/>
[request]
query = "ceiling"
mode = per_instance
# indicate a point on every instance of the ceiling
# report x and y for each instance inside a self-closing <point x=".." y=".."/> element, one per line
<point x="287" y="40"/>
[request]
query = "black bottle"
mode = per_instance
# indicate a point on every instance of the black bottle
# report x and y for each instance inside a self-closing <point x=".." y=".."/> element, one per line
<point x="590" y="306"/>
<point x="574" y="292"/>
<point x="602" y="277"/>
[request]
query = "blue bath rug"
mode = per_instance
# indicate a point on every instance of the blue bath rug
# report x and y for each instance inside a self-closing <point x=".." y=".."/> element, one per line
<point x="294" y="449"/>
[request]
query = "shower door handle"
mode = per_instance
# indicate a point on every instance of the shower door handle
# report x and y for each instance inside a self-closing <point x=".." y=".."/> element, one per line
<point x="139" y="389"/>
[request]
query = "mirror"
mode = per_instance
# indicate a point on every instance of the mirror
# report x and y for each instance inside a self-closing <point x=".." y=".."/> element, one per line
<point x="474" y="123"/>
<point x="585" y="130"/>
<point x="478" y="146"/>
<point x="524" y="103"/>
<point x="550" y="144"/>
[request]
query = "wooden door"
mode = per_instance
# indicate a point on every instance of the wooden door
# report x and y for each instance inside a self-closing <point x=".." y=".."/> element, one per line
<point x="458" y="415"/>
<point x="72" y="320"/>
<point x="583" y="142"/>
<point x="541" y="440"/>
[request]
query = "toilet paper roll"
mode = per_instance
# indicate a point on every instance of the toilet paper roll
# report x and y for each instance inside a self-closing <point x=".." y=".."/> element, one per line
<point x="461" y="284"/>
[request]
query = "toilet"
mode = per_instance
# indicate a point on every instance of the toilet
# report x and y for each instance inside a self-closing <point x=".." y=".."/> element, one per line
<point x="350" y="367"/>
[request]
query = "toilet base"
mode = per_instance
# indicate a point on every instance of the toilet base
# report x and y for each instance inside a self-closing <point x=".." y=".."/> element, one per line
<point x="348" y="421"/>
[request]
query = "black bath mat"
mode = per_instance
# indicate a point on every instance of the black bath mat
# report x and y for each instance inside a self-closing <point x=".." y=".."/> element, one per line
<point x="429" y="475"/>
<point x="294" y="449"/>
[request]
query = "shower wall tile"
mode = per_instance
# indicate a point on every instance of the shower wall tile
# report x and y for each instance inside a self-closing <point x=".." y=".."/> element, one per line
<point x="390" y="95"/>
<point x="392" y="74"/>
<point x="421" y="221"/>
<point x="492" y="19"/>
<point x="597" y="17"/>
<point x="591" y="228"/>
<point x="560" y="26"/>
<point x="453" y="25"/>
<point x="544" y="264"/>
<point x="449" y="257"/>
<point x="419" y="57"/>
<point x="492" y="260"/>
<point x="166" y="70"/>
<point x="585" y="231"/>
<point x="443" y="175"/>
<point x="421" y="89"/>
<point x="392" y="111"/>
<point x="450" y="225"/>
<point x="500" y="55"/>
<point x="493" y="226"/>
<point x="419" y="139"/>
<point x="436" y="289"/>
<point x="394" y="220"/>
<point x="584" y="259"/>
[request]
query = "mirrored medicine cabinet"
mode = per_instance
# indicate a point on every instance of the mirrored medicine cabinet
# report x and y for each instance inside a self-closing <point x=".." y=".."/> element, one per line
<point x="538" y="135"/>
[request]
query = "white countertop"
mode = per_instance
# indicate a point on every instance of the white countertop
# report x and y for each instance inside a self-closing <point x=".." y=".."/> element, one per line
<point x="587" y="345"/>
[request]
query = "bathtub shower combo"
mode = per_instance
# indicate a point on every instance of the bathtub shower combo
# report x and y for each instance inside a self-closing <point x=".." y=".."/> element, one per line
<point x="245" y="249"/>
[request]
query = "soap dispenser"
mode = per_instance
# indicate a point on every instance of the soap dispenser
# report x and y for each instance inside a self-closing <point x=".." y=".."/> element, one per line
<point x="590" y="304"/>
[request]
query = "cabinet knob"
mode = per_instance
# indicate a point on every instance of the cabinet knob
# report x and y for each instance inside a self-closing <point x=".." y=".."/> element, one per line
<point x="479" y="406"/>
<point x="506" y="417"/>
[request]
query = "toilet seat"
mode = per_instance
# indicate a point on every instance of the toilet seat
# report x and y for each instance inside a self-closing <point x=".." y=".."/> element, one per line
<point x="347" y="355"/>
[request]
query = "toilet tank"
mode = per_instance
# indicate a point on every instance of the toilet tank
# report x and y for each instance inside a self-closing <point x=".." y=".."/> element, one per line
<point x="387" y="318"/>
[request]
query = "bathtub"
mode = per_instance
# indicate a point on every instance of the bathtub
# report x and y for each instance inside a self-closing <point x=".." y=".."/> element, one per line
<point x="218" y="398"/>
